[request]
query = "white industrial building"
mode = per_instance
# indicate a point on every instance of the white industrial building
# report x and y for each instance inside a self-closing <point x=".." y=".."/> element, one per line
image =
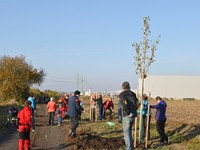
<point x="176" y="87"/>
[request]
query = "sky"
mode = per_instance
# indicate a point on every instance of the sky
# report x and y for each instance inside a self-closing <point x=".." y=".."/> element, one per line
<point x="91" y="41"/>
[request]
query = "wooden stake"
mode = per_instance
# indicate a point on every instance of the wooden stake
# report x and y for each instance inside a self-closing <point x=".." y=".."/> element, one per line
<point x="90" y="108"/>
<point x="96" y="116"/>
<point x="147" y="127"/>
<point x="135" y="133"/>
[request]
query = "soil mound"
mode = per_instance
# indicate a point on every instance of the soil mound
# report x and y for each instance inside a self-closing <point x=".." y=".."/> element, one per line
<point x="93" y="141"/>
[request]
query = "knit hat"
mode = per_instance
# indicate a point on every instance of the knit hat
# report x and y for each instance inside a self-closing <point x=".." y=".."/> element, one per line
<point x="52" y="98"/>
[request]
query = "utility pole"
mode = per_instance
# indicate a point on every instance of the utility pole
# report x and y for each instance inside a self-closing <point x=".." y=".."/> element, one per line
<point x="82" y="84"/>
<point x="77" y="81"/>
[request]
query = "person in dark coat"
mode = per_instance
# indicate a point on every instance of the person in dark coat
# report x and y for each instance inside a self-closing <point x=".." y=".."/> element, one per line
<point x="100" y="106"/>
<point x="129" y="104"/>
<point x="74" y="112"/>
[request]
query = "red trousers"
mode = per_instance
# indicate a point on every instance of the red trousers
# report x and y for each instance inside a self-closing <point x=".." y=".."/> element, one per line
<point x="23" y="142"/>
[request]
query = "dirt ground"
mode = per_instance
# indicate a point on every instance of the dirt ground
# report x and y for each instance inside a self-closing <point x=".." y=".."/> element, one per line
<point x="9" y="139"/>
<point x="44" y="138"/>
<point x="47" y="137"/>
<point x="54" y="137"/>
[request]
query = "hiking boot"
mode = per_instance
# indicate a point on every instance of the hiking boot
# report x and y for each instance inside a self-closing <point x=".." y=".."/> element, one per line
<point x="73" y="135"/>
<point x="69" y="133"/>
<point x="166" y="142"/>
<point x="161" y="143"/>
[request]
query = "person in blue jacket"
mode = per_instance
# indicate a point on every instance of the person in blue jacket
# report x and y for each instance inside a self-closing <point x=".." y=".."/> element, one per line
<point x="145" y="115"/>
<point x="33" y="109"/>
<point x="161" y="119"/>
<point x="74" y="112"/>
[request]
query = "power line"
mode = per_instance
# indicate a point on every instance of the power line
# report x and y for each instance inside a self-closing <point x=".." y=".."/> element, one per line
<point x="57" y="80"/>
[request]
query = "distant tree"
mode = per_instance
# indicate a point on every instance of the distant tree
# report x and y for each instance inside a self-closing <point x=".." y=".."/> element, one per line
<point x="145" y="52"/>
<point x="52" y="93"/>
<point x="35" y="92"/>
<point x="16" y="77"/>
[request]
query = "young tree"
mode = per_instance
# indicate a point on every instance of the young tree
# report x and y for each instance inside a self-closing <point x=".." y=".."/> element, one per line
<point x="143" y="59"/>
<point x="16" y="77"/>
<point x="145" y="52"/>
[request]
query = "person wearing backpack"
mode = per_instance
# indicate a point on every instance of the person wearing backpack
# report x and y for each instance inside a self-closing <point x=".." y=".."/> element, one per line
<point x="129" y="105"/>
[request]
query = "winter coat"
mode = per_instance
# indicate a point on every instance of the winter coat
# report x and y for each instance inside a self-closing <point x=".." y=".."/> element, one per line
<point x="24" y="119"/>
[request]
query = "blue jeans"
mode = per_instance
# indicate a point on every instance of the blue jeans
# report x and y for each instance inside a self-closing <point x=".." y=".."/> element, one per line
<point x="33" y="118"/>
<point x="128" y="123"/>
<point x="60" y="119"/>
<point x="100" y="112"/>
<point x="119" y="114"/>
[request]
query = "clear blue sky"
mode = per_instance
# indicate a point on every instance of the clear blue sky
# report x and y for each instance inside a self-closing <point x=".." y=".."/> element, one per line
<point x="94" y="38"/>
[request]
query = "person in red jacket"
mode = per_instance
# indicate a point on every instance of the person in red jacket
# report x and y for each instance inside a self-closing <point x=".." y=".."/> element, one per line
<point x="24" y="126"/>
<point x="108" y="104"/>
<point x="66" y="102"/>
<point x="51" y="108"/>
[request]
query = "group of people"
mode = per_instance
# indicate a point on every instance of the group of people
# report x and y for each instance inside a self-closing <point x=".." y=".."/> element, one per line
<point x="60" y="110"/>
<point x="71" y="106"/>
<point x="129" y="104"/>
<point x="26" y="117"/>
<point x="127" y="111"/>
<point x="103" y="107"/>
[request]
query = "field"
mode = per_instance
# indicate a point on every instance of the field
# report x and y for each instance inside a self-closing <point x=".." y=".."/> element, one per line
<point x="182" y="127"/>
